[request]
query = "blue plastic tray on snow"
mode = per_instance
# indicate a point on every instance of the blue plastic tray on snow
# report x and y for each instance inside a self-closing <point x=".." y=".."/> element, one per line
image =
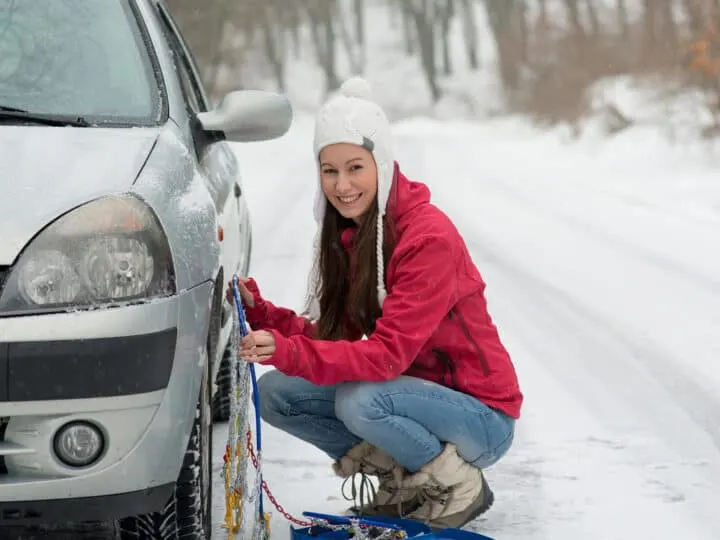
<point x="413" y="529"/>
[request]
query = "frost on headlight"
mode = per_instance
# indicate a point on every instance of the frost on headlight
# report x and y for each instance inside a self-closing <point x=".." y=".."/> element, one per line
<point x="109" y="250"/>
<point x="117" y="267"/>
<point x="49" y="278"/>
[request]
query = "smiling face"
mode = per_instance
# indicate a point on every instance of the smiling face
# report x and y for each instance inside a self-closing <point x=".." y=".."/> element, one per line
<point x="349" y="179"/>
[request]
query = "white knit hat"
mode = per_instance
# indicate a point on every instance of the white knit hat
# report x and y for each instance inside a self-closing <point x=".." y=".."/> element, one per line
<point x="352" y="117"/>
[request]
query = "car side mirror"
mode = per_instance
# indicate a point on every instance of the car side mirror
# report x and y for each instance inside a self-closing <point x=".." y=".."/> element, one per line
<point x="249" y="116"/>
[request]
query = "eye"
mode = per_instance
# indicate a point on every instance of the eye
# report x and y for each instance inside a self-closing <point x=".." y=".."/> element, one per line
<point x="329" y="171"/>
<point x="354" y="168"/>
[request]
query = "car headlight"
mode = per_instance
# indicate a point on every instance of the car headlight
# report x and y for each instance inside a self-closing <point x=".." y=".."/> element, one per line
<point x="109" y="250"/>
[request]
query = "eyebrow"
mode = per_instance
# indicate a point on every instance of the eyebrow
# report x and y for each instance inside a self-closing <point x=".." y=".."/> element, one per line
<point x="326" y="164"/>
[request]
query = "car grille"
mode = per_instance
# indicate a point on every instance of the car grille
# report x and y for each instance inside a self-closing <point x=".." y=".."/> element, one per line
<point x="3" y="427"/>
<point x="4" y="273"/>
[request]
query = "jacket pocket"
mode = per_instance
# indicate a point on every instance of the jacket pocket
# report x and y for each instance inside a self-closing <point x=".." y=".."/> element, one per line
<point x="455" y="315"/>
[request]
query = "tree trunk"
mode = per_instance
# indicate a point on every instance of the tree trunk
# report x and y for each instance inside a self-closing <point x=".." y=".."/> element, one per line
<point x="595" y="26"/>
<point x="500" y="15"/>
<point x="445" y="11"/>
<point x="470" y="33"/>
<point x="423" y="15"/>
<point x="621" y="16"/>
<point x="359" y="13"/>
<point x="573" y="11"/>
<point x="408" y="33"/>
<point x="274" y="44"/>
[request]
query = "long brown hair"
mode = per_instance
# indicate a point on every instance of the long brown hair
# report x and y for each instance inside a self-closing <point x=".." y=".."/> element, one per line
<point x="346" y="302"/>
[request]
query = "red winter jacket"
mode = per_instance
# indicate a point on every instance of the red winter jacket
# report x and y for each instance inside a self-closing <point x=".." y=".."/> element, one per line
<point x="434" y="324"/>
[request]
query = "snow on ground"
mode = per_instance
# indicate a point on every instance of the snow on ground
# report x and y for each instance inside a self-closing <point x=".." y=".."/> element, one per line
<point x="603" y="274"/>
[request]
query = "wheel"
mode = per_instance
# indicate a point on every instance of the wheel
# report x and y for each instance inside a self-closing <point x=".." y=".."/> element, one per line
<point x="221" y="399"/>
<point x="187" y="514"/>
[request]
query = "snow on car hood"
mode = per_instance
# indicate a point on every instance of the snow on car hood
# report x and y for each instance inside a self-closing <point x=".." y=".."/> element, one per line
<point x="46" y="171"/>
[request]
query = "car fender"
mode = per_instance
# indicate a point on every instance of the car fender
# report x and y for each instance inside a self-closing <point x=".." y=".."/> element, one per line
<point x="171" y="184"/>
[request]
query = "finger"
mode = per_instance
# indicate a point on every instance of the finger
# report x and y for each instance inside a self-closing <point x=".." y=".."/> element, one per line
<point x="257" y="359"/>
<point x="262" y="338"/>
<point x="247" y="354"/>
<point x="263" y="351"/>
<point x="246" y="295"/>
<point x="248" y="344"/>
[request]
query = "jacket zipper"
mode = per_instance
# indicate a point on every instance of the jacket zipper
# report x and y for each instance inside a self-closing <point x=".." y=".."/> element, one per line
<point x="483" y="361"/>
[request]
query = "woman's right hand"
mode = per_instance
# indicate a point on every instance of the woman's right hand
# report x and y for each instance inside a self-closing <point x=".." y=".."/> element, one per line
<point x="245" y="295"/>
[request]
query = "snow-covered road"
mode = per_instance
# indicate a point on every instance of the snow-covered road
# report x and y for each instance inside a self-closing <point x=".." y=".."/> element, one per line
<point x="603" y="273"/>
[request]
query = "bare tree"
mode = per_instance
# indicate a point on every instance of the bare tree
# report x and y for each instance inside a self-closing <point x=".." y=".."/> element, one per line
<point x="408" y="26"/>
<point x="445" y="10"/>
<point x="470" y="33"/>
<point x="501" y="14"/>
<point x="321" y="15"/>
<point x="621" y="17"/>
<point x="423" y="13"/>
<point x="659" y="26"/>
<point x="353" y="45"/>
<point x="274" y="39"/>
<point x="573" y="11"/>
<point x="591" y="11"/>
<point x="359" y="17"/>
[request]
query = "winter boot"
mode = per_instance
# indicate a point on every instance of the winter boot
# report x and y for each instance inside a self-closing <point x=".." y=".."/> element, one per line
<point x="451" y="491"/>
<point x="388" y="499"/>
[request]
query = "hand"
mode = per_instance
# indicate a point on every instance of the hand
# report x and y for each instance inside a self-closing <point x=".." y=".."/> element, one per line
<point x="245" y="294"/>
<point x="257" y="346"/>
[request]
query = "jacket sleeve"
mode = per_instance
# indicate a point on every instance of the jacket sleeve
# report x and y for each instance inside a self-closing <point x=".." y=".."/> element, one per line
<point x="266" y="316"/>
<point x="423" y="292"/>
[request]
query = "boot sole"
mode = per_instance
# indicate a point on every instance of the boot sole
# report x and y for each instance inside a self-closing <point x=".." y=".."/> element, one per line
<point x="388" y="510"/>
<point x="487" y="502"/>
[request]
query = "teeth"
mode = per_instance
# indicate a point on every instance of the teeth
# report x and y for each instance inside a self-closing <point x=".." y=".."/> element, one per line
<point x="347" y="200"/>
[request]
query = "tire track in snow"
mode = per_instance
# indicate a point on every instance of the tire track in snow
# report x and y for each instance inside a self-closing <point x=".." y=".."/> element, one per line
<point x="595" y="363"/>
<point x="633" y="249"/>
<point x="621" y="348"/>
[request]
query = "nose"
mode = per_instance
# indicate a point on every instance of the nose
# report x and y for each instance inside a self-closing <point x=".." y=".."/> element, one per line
<point x="343" y="183"/>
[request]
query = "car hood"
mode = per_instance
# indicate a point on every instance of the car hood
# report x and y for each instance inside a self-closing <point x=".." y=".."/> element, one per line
<point x="46" y="171"/>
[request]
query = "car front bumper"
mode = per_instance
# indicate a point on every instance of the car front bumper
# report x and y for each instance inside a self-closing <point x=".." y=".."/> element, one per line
<point x="134" y="371"/>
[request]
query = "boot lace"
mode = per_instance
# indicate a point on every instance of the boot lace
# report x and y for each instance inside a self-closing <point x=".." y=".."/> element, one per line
<point x="433" y="498"/>
<point x="362" y="491"/>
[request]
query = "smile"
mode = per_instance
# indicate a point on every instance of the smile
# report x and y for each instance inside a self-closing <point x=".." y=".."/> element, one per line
<point x="349" y="200"/>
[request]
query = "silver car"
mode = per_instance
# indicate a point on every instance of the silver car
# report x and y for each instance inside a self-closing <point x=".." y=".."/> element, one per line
<point x="121" y="219"/>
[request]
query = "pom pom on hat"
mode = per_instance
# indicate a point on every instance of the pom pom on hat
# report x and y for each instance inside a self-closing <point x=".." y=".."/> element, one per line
<point x="356" y="87"/>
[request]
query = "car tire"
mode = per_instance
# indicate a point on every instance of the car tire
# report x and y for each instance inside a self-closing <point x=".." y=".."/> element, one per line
<point x="187" y="514"/>
<point x="221" y="399"/>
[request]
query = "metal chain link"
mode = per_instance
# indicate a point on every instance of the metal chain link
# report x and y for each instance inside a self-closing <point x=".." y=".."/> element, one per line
<point x="386" y="535"/>
<point x="266" y="489"/>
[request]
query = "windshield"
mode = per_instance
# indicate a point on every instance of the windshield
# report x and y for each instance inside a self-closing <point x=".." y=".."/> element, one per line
<point x="76" y="58"/>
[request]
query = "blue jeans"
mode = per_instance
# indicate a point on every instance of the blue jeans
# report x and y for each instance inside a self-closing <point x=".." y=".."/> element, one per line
<point x="409" y="418"/>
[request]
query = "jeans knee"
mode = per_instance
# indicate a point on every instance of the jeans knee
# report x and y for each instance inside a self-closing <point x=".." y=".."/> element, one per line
<point x="500" y="440"/>
<point x="358" y="402"/>
<point x="273" y="391"/>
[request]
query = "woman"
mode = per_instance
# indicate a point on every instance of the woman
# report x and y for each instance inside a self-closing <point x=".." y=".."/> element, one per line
<point x="398" y="371"/>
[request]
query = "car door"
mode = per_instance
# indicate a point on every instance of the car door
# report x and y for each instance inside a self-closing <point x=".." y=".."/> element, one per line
<point x="217" y="162"/>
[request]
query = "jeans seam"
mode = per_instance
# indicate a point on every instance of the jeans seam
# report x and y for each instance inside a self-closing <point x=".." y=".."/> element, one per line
<point x="434" y="397"/>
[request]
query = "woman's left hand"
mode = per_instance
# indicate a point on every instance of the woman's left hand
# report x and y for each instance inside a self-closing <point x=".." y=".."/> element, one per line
<point x="257" y="346"/>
